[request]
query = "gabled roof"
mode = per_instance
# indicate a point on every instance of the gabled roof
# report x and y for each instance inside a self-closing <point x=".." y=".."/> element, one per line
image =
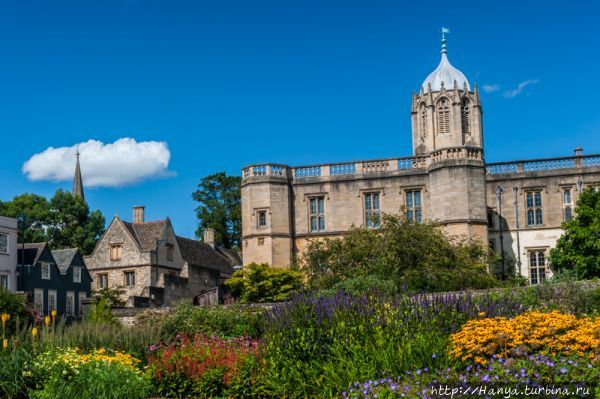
<point x="232" y="254"/>
<point x="64" y="258"/>
<point x="147" y="233"/>
<point x="200" y="254"/>
<point x="32" y="252"/>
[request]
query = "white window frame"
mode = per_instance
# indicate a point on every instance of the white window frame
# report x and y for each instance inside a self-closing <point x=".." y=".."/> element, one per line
<point x="4" y="280"/>
<point x="52" y="306"/>
<point x="77" y="274"/>
<point x="70" y="309"/>
<point x="45" y="270"/>
<point x="4" y="243"/>
<point x="80" y="297"/>
<point x="39" y="305"/>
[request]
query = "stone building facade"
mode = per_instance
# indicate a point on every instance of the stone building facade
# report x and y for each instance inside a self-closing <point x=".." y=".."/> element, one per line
<point x="154" y="265"/>
<point x="517" y="207"/>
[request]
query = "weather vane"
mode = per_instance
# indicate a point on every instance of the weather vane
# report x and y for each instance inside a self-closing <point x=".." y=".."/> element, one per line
<point x="444" y="31"/>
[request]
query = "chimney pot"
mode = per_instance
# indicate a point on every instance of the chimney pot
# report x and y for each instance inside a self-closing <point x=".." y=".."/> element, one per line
<point x="209" y="236"/>
<point x="578" y="151"/>
<point x="138" y="214"/>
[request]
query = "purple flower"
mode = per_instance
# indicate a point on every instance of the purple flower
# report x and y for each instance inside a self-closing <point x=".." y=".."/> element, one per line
<point x="563" y="370"/>
<point x="152" y="348"/>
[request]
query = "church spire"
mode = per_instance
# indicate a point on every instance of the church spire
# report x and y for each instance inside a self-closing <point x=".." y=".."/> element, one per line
<point x="77" y="180"/>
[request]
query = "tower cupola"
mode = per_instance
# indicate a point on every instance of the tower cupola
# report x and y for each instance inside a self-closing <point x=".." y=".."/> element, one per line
<point x="445" y="75"/>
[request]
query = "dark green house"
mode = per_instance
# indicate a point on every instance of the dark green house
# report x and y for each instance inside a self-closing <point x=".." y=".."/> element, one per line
<point x="56" y="280"/>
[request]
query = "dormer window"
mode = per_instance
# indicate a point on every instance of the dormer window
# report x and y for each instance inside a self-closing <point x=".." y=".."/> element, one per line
<point x="116" y="252"/>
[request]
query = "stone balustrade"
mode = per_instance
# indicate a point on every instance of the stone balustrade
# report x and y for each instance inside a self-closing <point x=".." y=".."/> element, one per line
<point x="538" y="165"/>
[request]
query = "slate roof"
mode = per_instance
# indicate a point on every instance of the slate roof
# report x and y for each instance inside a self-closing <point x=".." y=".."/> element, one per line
<point x="146" y="233"/>
<point x="32" y="252"/>
<point x="200" y="254"/>
<point x="64" y="258"/>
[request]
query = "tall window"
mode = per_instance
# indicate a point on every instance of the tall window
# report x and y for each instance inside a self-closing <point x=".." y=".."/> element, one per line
<point x="129" y="279"/>
<point x="567" y="204"/>
<point x="116" y="251"/>
<point x="51" y="301"/>
<point x="45" y="271"/>
<point x="38" y="299"/>
<point x="81" y="297"/>
<point x="413" y="205"/>
<point x="534" y="208"/>
<point x="537" y="266"/>
<point x="423" y="121"/>
<point x="261" y="220"/>
<point x="465" y="116"/>
<point x="317" y="214"/>
<point x="443" y="116"/>
<point x="3" y="280"/>
<point x="77" y="274"/>
<point x="102" y="280"/>
<point x="3" y="243"/>
<point x="70" y="303"/>
<point x="372" y="210"/>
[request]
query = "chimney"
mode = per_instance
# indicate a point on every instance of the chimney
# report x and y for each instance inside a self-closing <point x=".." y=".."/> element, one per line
<point x="578" y="151"/>
<point x="138" y="214"/>
<point x="209" y="236"/>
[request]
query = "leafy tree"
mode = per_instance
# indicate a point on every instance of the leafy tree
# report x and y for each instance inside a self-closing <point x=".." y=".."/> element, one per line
<point x="578" y="249"/>
<point x="64" y="221"/>
<point x="112" y="297"/>
<point x="33" y="212"/>
<point x="263" y="283"/>
<point x="411" y="255"/>
<point x="220" y="208"/>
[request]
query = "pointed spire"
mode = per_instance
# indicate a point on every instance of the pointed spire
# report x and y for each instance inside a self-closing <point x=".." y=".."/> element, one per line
<point x="77" y="179"/>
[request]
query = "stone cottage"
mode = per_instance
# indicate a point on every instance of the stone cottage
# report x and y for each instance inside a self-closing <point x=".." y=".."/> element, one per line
<point x="154" y="265"/>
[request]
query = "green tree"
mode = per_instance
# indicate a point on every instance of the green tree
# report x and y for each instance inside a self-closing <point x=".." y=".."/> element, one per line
<point x="33" y="212"/>
<point x="263" y="283"/>
<point x="578" y="249"/>
<point x="411" y="255"/>
<point x="64" y="221"/>
<point x="220" y="208"/>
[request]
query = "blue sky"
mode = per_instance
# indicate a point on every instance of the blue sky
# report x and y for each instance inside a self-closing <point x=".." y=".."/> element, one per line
<point x="229" y="83"/>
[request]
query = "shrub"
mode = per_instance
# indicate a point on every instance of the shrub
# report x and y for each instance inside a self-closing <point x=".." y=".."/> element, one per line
<point x="67" y="373"/>
<point x="204" y="367"/>
<point x="113" y="297"/>
<point x="13" y="305"/>
<point x="224" y="322"/>
<point x="263" y="283"/>
<point x="419" y="257"/>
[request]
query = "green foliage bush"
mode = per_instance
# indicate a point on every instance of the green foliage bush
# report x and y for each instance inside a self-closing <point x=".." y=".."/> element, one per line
<point x="112" y="296"/>
<point x="12" y="364"/>
<point x="14" y="305"/>
<point x="416" y="257"/>
<point x="233" y="321"/>
<point x="256" y="283"/>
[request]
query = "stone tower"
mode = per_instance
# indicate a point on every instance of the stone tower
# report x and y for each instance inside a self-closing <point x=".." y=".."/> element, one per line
<point x="447" y="129"/>
<point x="78" y="180"/>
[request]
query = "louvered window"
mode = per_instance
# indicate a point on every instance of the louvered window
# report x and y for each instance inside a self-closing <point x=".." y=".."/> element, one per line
<point x="443" y="116"/>
<point x="465" y="117"/>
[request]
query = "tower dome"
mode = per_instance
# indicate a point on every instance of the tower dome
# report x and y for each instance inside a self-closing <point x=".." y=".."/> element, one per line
<point x="445" y="74"/>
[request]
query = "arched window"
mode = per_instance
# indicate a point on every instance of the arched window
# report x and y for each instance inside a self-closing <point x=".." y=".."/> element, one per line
<point x="443" y="116"/>
<point x="465" y="116"/>
<point x="423" y="121"/>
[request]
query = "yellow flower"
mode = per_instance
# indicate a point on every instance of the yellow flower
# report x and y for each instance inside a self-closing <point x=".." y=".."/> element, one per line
<point x="53" y="313"/>
<point x="5" y="343"/>
<point x="47" y="320"/>
<point x="481" y="314"/>
<point x="5" y="318"/>
<point x="34" y="331"/>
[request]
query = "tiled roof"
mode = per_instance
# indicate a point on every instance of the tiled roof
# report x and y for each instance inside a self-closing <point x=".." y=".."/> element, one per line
<point x="203" y="255"/>
<point x="147" y="233"/>
<point x="64" y="258"/>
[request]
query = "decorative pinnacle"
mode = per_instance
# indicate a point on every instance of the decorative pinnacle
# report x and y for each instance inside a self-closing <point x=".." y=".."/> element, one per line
<point x="77" y="152"/>
<point x="444" y="31"/>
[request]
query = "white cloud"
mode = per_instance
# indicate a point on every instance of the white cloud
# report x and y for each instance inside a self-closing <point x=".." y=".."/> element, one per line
<point x="109" y="165"/>
<point x="491" y="88"/>
<point x="515" y="92"/>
